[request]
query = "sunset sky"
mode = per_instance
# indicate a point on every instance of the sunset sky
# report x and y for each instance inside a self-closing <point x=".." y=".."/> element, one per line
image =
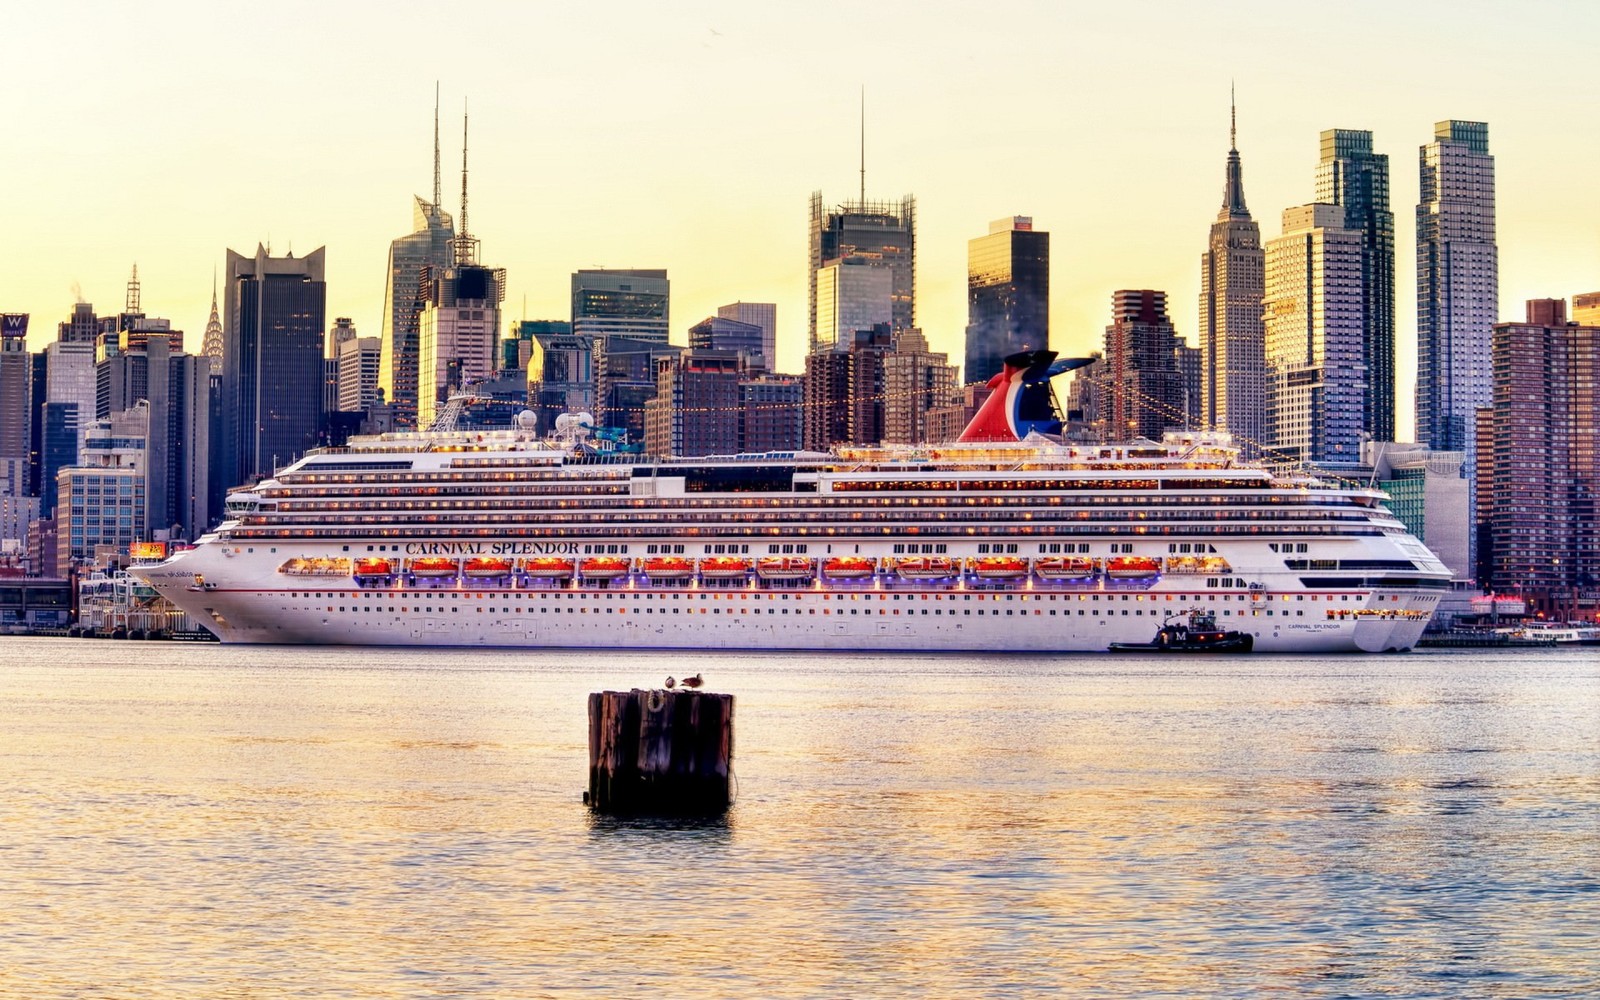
<point x="690" y="135"/>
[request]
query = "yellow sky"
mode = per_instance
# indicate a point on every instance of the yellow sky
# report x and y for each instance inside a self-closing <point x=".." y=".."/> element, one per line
<point x="690" y="135"/>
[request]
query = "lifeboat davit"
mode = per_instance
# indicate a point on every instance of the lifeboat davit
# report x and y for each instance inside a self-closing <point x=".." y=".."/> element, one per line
<point x="724" y="568"/>
<point x="999" y="567"/>
<point x="848" y="568"/>
<point x="434" y="566"/>
<point x="486" y="566"/>
<point x="604" y="568"/>
<point x="668" y="568"/>
<point x="374" y="567"/>
<point x="1064" y="568"/>
<point x="926" y="568"/>
<point x="1133" y="568"/>
<point x="547" y="568"/>
<point x="785" y="568"/>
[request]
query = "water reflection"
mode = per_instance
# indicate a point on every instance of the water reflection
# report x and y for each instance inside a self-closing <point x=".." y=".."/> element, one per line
<point x="186" y="823"/>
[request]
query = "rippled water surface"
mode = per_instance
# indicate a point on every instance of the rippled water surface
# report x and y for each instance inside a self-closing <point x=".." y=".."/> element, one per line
<point x="203" y="821"/>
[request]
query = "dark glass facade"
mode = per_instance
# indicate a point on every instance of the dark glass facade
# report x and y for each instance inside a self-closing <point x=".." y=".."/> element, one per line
<point x="1008" y="297"/>
<point x="883" y="234"/>
<point x="272" y="361"/>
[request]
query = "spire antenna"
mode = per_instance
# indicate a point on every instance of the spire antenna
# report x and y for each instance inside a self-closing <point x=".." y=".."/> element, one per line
<point x="1233" y="118"/>
<point x="131" y="306"/>
<point x="466" y="246"/>
<point x="438" y="194"/>
<point x="863" y="145"/>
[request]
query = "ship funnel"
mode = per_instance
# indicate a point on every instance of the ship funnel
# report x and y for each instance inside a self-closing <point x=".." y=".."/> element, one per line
<point x="1021" y="403"/>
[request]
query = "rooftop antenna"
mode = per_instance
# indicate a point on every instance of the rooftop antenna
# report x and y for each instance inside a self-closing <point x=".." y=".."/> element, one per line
<point x="466" y="246"/>
<point x="438" y="195"/>
<point x="132" y="304"/>
<point x="1233" y="118"/>
<point x="863" y="147"/>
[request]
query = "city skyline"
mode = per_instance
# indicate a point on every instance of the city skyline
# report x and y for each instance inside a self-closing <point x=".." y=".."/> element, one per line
<point x="1122" y="170"/>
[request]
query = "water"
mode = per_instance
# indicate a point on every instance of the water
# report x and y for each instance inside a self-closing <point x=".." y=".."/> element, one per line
<point x="202" y="821"/>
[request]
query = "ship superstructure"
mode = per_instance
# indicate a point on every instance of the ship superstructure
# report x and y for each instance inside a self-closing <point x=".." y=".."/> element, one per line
<point x="992" y="543"/>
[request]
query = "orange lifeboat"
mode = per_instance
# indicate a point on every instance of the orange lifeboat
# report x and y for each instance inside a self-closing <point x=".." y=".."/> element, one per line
<point x="604" y="568"/>
<point x="1132" y="568"/>
<point x="668" y="568"/>
<point x="547" y="568"/>
<point x="848" y="568"/>
<point x="1064" y="568"/>
<point x="374" y="567"/>
<point x="724" y="568"/>
<point x="434" y="566"/>
<point x="926" y="568"/>
<point x="485" y="566"/>
<point x="1000" y="567"/>
<point x="785" y="568"/>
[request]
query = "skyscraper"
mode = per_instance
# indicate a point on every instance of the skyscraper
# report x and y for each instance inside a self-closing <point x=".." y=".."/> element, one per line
<point x="633" y="303"/>
<point x="211" y="346"/>
<point x="717" y="333"/>
<point x="915" y="381"/>
<point x="458" y="334"/>
<point x="1144" y="386"/>
<point x="1352" y="176"/>
<point x="851" y="295"/>
<point x="762" y="314"/>
<point x="1008" y="295"/>
<point x="1316" y="336"/>
<point x="1458" y="284"/>
<point x="16" y="403"/>
<point x="271" y="360"/>
<point x="1232" y="335"/>
<point x="1539" y="460"/>
<point x="879" y="234"/>
<point x="429" y="247"/>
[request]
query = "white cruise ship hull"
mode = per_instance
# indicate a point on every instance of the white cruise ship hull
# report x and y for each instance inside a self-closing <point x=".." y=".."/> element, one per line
<point x="261" y="606"/>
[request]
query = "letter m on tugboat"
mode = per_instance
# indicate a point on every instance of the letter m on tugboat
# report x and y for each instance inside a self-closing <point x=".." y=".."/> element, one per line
<point x="1193" y="631"/>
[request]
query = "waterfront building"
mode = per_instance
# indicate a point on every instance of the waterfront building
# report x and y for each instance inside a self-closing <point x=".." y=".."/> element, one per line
<point x="1140" y="375"/>
<point x="1316" y="333"/>
<point x="771" y="413"/>
<point x="845" y="390"/>
<point x="763" y="315"/>
<point x="1458" y="284"/>
<point x="1538" y="484"/>
<point x="625" y="372"/>
<point x="1232" y="334"/>
<point x="1008" y="295"/>
<point x="630" y="303"/>
<point x="696" y="405"/>
<point x="458" y="334"/>
<point x="272" y="356"/>
<point x="560" y="372"/>
<point x="916" y="381"/>
<point x="715" y="333"/>
<point x="1355" y="178"/>
<point x="850" y="295"/>
<point x="16" y="403"/>
<point x="878" y="234"/>
<point x="1429" y="494"/>
<point x="1586" y="309"/>
<point x="360" y="359"/>
<point x="101" y="501"/>
<point x="16" y="514"/>
<point x="82" y="327"/>
<point x="174" y="389"/>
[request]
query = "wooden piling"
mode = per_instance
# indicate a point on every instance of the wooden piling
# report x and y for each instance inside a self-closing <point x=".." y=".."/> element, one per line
<point x="657" y="752"/>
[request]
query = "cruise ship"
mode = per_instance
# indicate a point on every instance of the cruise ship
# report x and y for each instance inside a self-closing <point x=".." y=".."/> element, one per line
<point x="1009" y="539"/>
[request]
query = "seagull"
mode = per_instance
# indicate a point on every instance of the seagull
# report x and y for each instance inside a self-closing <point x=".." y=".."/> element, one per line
<point x="672" y="683"/>
<point x="693" y="682"/>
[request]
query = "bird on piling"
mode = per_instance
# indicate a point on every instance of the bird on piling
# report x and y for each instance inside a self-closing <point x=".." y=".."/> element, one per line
<point x="671" y="684"/>
<point x="693" y="682"/>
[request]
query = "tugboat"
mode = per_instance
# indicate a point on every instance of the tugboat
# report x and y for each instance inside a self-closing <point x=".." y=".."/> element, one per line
<point x="1198" y="634"/>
